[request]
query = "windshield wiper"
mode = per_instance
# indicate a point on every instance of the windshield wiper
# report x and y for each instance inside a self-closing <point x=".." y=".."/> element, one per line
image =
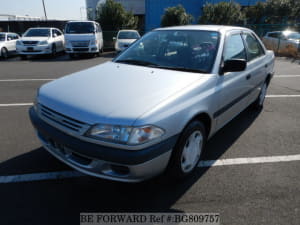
<point x="181" y="69"/>
<point x="151" y="64"/>
<point x="136" y="62"/>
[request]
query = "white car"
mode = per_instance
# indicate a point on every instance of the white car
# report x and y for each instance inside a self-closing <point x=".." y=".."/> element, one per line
<point x="125" y="38"/>
<point x="39" y="41"/>
<point x="283" y="42"/>
<point x="8" y="44"/>
<point x="83" y="37"/>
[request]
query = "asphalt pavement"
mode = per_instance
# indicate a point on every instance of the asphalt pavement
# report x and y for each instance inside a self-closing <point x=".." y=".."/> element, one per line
<point x="264" y="192"/>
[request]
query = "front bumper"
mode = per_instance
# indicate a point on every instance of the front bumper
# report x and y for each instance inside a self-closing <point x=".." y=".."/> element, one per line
<point x="34" y="50"/>
<point x="100" y="161"/>
<point x="79" y="50"/>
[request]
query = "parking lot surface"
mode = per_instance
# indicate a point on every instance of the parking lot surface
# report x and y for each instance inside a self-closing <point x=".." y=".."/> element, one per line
<point x="249" y="172"/>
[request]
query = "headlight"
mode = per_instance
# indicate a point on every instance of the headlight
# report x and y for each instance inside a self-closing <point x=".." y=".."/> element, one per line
<point x="144" y="134"/>
<point x="93" y="42"/>
<point x="18" y="43"/>
<point x="125" y="135"/>
<point x="35" y="102"/>
<point x="43" y="43"/>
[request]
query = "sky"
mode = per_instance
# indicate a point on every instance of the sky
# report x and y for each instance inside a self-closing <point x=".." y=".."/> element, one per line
<point x="56" y="9"/>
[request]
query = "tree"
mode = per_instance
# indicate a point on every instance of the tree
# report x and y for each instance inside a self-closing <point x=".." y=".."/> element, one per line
<point x="175" y="16"/>
<point x="274" y="12"/>
<point x="256" y="14"/>
<point x="223" y="13"/>
<point x="112" y="16"/>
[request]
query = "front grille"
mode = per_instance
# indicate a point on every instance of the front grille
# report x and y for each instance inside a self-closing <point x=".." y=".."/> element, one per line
<point x="30" y="42"/>
<point x="81" y="49"/>
<point x="61" y="121"/>
<point x="80" y="43"/>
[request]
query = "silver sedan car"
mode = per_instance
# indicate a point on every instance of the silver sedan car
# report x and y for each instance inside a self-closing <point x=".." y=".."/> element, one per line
<point x="153" y="107"/>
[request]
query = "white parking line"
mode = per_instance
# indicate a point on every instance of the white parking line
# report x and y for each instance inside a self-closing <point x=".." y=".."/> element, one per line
<point x="16" y="104"/>
<point x="282" y="96"/>
<point x="284" y="76"/>
<point x="206" y="163"/>
<point x="239" y="161"/>
<point x="267" y="96"/>
<point x="18" y="80"/>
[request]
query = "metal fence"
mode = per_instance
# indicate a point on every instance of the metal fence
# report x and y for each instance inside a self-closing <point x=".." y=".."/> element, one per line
<point x="262" y="29"/>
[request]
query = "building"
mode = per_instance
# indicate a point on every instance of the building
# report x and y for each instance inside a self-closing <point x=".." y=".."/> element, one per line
<point x="151" y="11"/>
<point x="137" y="7"/>
<point x="8" y="17"/>
<point x="154" y="9"/>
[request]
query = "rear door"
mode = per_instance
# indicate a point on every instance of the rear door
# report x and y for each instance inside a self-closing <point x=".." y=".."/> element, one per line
<point x="234" y="86"/>
<point x="11" y="43"/>
<point x="256" y="64"/>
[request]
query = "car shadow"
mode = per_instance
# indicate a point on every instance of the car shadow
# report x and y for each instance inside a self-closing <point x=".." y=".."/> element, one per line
<point x="60" y="201"/>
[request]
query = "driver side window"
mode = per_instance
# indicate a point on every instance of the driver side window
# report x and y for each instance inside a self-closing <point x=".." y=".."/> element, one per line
<point x="234" y="48"/>
<point x="254" y="49"/>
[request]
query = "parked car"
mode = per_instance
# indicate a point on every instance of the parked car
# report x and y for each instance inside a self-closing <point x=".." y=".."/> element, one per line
<point x="125" y="38"/>
<point x="154" y="106"/>
<point x="8" y="44"/>
<point x="83" y="37"/>
<point x="40" y="41"/>
<point x="283" y="42"/>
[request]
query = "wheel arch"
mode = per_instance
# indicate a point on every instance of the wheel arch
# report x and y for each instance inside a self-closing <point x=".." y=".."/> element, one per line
<point x="205" y="118"/>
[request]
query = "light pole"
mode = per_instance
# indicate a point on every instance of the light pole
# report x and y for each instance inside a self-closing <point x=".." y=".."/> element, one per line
<point x="44" y="9"/>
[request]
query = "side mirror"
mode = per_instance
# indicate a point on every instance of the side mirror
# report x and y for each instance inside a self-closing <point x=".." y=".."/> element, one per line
<point x="54" y="35"/>
<point x="9" y="39"/>
<point x="114" y="38"/>
<point x="234" y="65"/>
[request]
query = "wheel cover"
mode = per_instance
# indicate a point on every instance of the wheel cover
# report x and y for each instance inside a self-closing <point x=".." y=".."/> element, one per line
<point x="4" y="53"/>
<point x="262" y="94"/>
<point x="191" y="151"/>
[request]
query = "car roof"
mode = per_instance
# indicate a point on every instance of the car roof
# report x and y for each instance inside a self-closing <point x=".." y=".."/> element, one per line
<point x="129" y="30"/>
<point x="42" y="28"/>
<point x="219" y="28"/>
<point x="81" y="21"/>
<point x="7" y="33"/>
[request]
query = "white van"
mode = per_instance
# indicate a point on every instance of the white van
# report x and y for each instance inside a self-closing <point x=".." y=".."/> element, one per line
<point x="83" y="37"/>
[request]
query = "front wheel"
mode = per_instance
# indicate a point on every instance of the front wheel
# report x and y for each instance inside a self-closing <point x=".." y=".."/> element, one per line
<point x="187" y="151"/>
<point x="53" y="52"/>
<point x="23" y="57"/>
<point x="4" y="53"/>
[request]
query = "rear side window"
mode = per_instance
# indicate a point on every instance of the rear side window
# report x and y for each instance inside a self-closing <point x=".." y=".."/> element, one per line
<point x="10" y="37"/>
<point x="274" y="35"/>
<point x="234" y="48"/>
<point x="254" y="48"/>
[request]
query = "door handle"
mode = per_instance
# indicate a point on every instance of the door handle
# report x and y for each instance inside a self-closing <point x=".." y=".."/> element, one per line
<point x="248" y="77"/>
<point x="266" y="65"/>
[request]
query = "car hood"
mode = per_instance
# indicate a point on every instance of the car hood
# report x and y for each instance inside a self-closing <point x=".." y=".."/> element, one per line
<point x="81" y="37"/>
<point x="34" y="38"/>
<point x="113" y="93"/>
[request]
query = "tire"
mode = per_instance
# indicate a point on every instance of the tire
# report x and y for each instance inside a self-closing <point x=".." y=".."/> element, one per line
<point x="71" y="55"/>
<point x="4" y="53"/>
<point x="23" y="57"/>
<point x="259" y="102"/>
<point x="53" y="51"/>
<point x="187" y="151"/>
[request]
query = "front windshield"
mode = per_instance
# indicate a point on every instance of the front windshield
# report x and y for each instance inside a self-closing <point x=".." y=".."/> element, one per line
<point x="80" y="28"/>
<point x="2" y="37"/>
<point x="128" y="35"/>
<point x="186" y="50"/>
<point x="37" y="33"/>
